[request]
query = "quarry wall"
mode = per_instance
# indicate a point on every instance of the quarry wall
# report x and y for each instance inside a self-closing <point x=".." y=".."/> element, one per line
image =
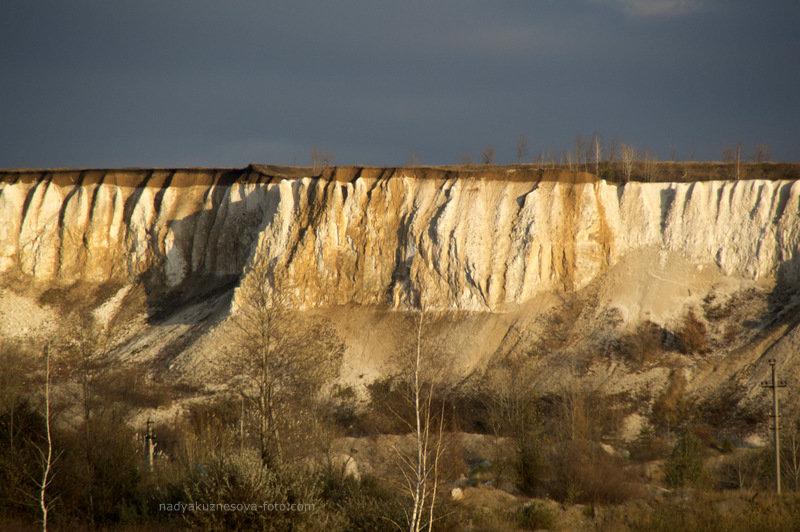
<point x="469" y="239"/>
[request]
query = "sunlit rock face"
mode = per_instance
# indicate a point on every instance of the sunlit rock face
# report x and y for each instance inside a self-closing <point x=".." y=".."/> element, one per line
<point x="121" y="225"/>
<point x="462" y="240"/>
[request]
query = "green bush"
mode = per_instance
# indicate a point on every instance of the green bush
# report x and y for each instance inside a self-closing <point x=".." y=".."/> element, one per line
<point x="648" y="446"/>
<point x="684" y="467"/>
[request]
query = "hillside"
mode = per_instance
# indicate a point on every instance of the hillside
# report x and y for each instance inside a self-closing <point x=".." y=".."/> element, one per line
<point x="557" y="267"/>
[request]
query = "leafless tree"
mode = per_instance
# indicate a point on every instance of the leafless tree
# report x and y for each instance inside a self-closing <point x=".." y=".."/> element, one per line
<point x="597" y="153"/>
<point x="15" y="368"/>
<point x="628" y="154"/>
<point x="466" y="159"/>
<point x="649" y="160"/>
<point x="420" y="468"/>
<point x="488" y="155"/>
<point x="791" y="449"/>
<point x="671" y="407"/>
<point x="727" y="155"/>
<point x="762" y="153"/>
<point x="611" y="151"/>
<point x="574" y="412"/>
<point x="321" y="158"/>
<point x="522" y="148"/>
<point x="512" y="413"/>
<point x="578" y="152"/>
<point x="315" y="154"/>
<point x="418" y="484"/>
<point x="738" y="155"/>
<point x="281" y="356"/>
<point x="87" y="344"/>
<point x="568" y="158"/>
<point x="46" y="455"/>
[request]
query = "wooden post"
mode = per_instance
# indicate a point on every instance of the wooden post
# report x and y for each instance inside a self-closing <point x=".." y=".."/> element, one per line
<point x="774" y="384"/>
<point x="149" y="445"/>
<point x="241" y="427"/>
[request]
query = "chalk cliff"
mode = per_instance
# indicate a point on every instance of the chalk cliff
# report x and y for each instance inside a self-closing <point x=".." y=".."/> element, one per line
<point x="466" y="240"/>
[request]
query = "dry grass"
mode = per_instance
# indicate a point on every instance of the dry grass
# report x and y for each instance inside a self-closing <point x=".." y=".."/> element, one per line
<point x="707" y="512"/>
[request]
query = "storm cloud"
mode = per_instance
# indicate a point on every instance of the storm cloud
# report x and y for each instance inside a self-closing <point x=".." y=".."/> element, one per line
<point x="225" y="83"/>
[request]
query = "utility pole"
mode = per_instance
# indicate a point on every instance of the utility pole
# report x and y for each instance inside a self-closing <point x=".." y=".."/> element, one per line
<point x="149" y="444"/>
<point x="241" y="428"/>
<point x="774" y="384"/>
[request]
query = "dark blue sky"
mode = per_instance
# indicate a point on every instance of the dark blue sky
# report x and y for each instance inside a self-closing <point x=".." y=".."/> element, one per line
<point x="228" y="82"/>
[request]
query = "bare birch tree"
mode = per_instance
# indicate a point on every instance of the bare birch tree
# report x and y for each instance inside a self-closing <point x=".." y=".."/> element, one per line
<point x="425" y="477"/>
<point x="420" y="466"/>
<point x="628" y="155"/>
<point x="46" y="455"/>
<point x="649" y="161"/>
<point x="597" y="153"/>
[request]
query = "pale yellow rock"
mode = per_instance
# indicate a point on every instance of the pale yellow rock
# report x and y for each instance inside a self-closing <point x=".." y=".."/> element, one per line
<point x="390" y="237"/>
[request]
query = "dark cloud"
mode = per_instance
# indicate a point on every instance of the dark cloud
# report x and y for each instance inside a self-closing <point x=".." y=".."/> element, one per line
<point x="202" y="82"/>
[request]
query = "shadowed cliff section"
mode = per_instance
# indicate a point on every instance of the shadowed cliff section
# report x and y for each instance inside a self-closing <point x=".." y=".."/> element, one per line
<point x="180" y="233"/>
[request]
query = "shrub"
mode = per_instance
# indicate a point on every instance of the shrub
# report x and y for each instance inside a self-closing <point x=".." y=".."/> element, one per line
<point x="365" y="504"/>
<point x="692" y="334"/>
<point x="390" y="409"/>
<point x="530" y="464"/>
<point x="536" y="516"/>
<point x="671" y="408"/>
<point x="244" y="479"/>
<point x="641" y="345"/>
<point x="99" y="483"/>
<point x="20" y="464"/>
<point x="648" y="446"/>
<point x="584" y="473"/>
<point x="726" y="447"/>
<point x="685" y="464"/>
<point x="490" y="521"/>
<point x="746" y="469"/>
<point x="707" y="513"/>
